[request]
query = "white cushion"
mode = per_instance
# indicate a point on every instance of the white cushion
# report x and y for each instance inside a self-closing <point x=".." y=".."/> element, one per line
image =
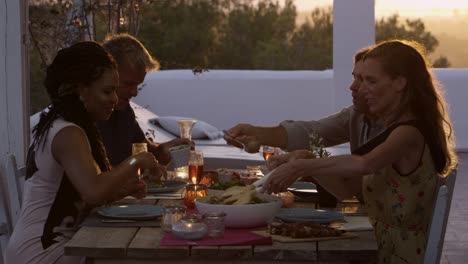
<point x="201" y="129"/>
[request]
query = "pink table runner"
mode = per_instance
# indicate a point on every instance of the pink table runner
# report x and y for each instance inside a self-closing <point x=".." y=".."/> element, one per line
<point x="232" y="237"/>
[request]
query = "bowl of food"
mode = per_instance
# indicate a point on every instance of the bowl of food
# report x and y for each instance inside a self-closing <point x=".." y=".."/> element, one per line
<point x="244" y="207"/>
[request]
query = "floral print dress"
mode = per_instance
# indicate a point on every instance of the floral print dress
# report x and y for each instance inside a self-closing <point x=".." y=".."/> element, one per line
<point x="400" y="209"/>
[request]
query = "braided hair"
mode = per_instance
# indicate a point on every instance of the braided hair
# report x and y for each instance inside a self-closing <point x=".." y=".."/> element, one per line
<point x="80" y="64"/>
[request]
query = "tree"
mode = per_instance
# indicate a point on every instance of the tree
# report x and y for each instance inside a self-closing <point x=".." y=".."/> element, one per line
<point x="255" y="36"/>
<point x="411" y="29"/>
<point x="181" y="33"/>
<point x="203" y="34"/>
<point x="55" y="24"/>
<point x="312" y="44"/>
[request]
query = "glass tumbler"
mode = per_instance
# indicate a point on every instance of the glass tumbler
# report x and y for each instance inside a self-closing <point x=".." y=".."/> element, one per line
<point x="171" y="215"/>
<point x="195" y="166"/>
<point x="215" y="223"/>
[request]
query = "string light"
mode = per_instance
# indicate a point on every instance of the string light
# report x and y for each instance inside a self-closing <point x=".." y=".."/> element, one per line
<point x="77" y="22"/>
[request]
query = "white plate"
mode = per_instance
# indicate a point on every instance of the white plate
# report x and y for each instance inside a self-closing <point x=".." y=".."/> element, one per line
<point x="134" y="212"/>
<point x="299" y="215"/>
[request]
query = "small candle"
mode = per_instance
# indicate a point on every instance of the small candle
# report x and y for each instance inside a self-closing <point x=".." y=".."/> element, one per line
<point x="192" y="192"/>
<point x="190" y="228"/>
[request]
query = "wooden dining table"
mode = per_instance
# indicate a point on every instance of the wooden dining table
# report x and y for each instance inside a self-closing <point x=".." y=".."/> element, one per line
<point x="110" y="244"/>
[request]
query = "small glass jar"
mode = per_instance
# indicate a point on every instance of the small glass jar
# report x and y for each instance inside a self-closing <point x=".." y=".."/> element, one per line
<point x="171" y="215"/>
<point x="215" y="223"/>
<point x="190" y="228"/>
<point x="192" y="192"/>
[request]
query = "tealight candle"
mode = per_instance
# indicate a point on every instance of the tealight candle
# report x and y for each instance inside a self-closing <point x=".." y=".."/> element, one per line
<point x="192" y="192"/>
<point x="190" y="228"/>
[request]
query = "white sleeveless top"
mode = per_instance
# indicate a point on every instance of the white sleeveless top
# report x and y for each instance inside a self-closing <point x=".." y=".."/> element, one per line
<point x="39" y="197"/>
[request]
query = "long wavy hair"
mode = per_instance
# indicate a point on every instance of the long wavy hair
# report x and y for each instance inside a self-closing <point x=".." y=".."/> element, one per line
<point x="423" y="97"/>
<point x="80" y="64"/>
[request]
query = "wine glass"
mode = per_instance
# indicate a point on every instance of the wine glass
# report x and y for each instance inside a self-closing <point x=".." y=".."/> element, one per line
<point x="186" y="126"/>
<point x="138" y="148"/>
<point x="268" y="151"/>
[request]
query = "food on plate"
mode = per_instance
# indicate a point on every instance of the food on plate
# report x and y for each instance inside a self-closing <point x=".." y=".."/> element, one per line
<point x="237" y="195"/>
<point x="303" y="230"/>
<point x="252" y="146"/>
<point x="226" y="185"/>
<point x="232" y="173"/>
<point x="156" y="185"/>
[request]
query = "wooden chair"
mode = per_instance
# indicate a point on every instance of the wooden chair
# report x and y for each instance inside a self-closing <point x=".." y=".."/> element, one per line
<point x="5" y="222"/>
<point x="11" y="183"/>
<point x="439" y="220"/>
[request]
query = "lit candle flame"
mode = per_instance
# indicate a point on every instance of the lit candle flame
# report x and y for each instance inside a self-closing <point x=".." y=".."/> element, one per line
<point x="194" y="180"/>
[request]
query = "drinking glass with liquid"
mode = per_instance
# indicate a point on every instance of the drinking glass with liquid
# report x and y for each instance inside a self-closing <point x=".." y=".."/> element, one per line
<point x="268" y="151"/>
<point x="138" y="148"/>
<point x="195" y="166"/>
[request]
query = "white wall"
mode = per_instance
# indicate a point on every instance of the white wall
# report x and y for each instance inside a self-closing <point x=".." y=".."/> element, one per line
<point x="455" y="81"/>
<point x="225" y="98"/>
<point x="352" y="30"/>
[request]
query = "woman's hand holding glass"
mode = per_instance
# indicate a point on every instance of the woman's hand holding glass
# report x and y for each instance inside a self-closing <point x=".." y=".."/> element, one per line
<point x="147" y="162"/>
<point x="284" y="176"/>
<point x="133" y="187"/>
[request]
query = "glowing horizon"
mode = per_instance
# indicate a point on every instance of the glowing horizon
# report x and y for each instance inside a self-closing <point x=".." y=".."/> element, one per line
<point x="413" y="8"/>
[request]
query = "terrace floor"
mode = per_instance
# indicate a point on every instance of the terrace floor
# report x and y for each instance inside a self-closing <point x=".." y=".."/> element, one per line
<point x="456" y="237"/>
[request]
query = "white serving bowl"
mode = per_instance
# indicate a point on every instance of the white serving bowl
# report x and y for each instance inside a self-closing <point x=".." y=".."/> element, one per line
<point x="243" y="216"/>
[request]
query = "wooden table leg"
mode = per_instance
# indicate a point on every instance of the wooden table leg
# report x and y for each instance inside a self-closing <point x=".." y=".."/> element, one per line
<point x="317" y="250"/>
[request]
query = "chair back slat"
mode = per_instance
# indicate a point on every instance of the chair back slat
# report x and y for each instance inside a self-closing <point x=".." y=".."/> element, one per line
<point x="439" y="219"/>
<point x="5" y="223"/>
<point x="12" y="183"/>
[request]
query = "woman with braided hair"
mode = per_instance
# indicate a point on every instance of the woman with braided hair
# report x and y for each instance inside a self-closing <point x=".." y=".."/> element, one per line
<point x="68" y="172"/>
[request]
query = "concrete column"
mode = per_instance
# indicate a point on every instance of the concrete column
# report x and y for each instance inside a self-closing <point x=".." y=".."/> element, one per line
<point x="353" y="29"/>
<point x="14" y="114"/>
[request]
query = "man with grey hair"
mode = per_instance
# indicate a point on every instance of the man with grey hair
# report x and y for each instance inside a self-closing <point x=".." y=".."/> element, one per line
<point x="353" y="124"/>
<point x="122" y="129"/>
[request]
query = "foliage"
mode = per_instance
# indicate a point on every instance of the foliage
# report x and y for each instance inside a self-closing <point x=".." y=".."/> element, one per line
<point x="203" y="34"/>
<point x="316" y="146"/>
<point x="179" y="34"/>
<point x="411" y="29"/>
<point x="312" y="43"/>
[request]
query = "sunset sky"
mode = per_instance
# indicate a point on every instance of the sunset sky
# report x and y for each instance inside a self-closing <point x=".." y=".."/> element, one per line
<point x="417" y="8"/>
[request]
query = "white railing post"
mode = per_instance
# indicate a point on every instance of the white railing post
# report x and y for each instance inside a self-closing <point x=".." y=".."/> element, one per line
<point x="14" y="128"/>
<point x="353" y="29"/>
